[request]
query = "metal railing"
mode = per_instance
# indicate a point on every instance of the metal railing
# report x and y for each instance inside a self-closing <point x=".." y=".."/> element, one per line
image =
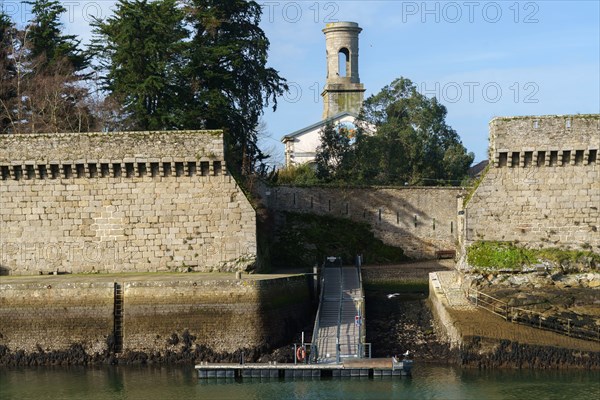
<point x="338" y="350"/>
<point x="314" y="355"/>
<point x="363" y="349"/>
<point x="488" y="302"/>
<point x="363" y="327"/>
<point x="554" y="323"/>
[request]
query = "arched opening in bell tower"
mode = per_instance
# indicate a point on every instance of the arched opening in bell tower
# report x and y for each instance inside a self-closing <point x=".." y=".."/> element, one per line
<point x="344" y="62"/>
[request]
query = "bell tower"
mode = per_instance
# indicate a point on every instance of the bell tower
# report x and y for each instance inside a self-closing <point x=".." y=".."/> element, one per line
<point x="343" y="90"/>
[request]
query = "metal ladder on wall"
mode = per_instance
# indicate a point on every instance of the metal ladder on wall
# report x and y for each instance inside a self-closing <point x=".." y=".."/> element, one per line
<point x="118" y="318"/>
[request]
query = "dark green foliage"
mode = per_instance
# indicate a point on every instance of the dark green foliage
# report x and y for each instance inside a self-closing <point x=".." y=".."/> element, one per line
<point x="200" y="65"/>
<point x="412" y="144"/>
<point x="47" y="42"/>
<point x="333" y="152"/>
<point x="230" y="80"/>
<point x="307" y="239"/>
<point x="303" y="174"/>
<point x="141" y="47"/>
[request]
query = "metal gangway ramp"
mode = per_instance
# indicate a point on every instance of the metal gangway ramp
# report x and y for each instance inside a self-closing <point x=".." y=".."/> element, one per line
<point x="339" y="330"/>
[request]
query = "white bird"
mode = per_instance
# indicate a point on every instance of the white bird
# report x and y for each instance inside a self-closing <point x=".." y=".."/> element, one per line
<point x="392" y="295"/>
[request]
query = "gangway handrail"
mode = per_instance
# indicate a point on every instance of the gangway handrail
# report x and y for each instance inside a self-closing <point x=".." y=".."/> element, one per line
<point x="363" y="327"/>
<point x="314" y="354"/>
<point x="339" y="327"/>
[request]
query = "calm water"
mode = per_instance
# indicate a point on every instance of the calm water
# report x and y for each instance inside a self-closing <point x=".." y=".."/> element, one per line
<point x="428" y="382"/>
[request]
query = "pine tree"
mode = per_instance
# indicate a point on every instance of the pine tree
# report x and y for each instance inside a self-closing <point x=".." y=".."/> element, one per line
<point x="231" y="81"/>
<point x="213" y="76"/>
<point x="47" y="43"/>
<point x="142" y="53"/>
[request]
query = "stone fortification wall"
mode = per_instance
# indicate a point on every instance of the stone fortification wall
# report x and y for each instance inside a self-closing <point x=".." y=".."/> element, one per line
<point x="224" y="315"/>
<point x="420" y="220"/>
<point x="113" y="202"/>
<point x="543" y="186"/>
<point x="55" y="315"/>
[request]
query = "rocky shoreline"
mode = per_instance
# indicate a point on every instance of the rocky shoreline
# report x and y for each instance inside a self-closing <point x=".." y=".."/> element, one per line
<point x="77" y="355"/>
<point x="405" y="323"/>
<point x="483" y="353"/>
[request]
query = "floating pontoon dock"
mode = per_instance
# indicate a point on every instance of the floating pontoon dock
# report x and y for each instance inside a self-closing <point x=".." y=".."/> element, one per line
<point x="355" y="368"/>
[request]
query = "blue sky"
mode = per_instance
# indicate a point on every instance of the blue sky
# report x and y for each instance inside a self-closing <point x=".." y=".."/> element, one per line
<point x="479" y="58"/>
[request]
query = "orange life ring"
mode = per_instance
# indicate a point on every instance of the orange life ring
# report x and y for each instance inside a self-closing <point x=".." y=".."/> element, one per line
<point x="300" y="353"/>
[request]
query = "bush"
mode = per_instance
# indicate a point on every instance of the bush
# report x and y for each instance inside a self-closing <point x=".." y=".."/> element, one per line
<point x="303" y="174"/>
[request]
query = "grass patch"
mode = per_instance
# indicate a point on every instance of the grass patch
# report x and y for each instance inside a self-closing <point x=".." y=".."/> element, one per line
<point x="306" y="239"/>
<point x="568" y="256"/>
<point x="508" y="256"/>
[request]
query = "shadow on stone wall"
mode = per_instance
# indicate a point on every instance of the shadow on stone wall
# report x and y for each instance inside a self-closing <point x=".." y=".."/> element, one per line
<point x="418" y="220"/>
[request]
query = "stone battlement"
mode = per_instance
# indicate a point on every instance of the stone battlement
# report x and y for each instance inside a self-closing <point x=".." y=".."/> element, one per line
<point x="543" y="188"/>
<point x="127" y="168"/>
<point x="114" y="154"/>
<point x="545" y="141"/>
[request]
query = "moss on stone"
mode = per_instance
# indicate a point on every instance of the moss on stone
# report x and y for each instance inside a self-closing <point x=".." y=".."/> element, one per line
<point x="476" y="184"/>
<point x="508" y="256"/>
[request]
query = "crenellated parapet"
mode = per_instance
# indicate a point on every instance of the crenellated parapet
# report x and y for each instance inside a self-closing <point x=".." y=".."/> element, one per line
<point x="544" y="141"/>
<point x="543" y="185"/>
<point x="114" y="154"/>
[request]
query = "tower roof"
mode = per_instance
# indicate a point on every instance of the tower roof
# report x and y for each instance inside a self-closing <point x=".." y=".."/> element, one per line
<point x="342" y="26"/>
